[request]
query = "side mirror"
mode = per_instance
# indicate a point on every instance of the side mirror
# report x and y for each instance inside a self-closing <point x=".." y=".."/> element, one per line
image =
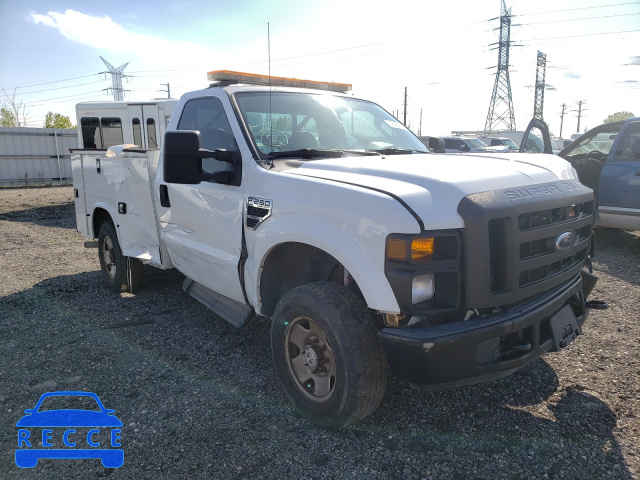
<point x="464" y="148"/>
<point x="182" y="161"/>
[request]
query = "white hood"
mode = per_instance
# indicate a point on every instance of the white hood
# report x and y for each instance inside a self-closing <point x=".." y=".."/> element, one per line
<point x="433" y="184"/>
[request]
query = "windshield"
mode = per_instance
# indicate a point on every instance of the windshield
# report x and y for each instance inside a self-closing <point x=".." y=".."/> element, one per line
<point x="598" y="142"/>
<point x="291" y="122"/>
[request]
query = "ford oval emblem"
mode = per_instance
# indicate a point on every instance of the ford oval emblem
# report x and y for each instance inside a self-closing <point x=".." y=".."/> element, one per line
<point x="565" y="241"/>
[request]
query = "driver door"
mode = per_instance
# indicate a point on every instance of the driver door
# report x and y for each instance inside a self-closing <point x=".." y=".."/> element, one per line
<point x="202" y="226"/>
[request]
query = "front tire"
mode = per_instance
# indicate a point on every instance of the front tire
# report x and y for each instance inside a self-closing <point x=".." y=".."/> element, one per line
<point x="327" y="354"/>
<point x="121" y="274"/>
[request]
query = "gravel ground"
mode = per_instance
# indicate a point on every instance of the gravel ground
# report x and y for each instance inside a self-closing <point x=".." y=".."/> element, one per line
<point x="199" y="398"/>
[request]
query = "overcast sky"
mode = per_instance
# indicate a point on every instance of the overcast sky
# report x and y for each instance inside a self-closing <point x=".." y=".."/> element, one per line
<point x="442" y="53"/>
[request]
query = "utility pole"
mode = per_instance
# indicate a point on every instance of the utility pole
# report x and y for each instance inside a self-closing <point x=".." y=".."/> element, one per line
<point x="405" y="107"/>
<point x="501" y="105"/>
<point x="116" y="79"/>
<point x="580" y="110"/>
<point x="420" y="129"/>
<point x="562" y="118"/>
<point x="168" y="90"/>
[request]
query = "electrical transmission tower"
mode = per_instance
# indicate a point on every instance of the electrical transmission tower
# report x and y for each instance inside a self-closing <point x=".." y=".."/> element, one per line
<point x="501" y="106"/>
<point x="540" y="86"/>
<point x="116" y="79"/>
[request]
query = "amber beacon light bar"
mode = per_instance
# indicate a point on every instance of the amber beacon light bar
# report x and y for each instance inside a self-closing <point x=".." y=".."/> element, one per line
<point x="230" y="77"/>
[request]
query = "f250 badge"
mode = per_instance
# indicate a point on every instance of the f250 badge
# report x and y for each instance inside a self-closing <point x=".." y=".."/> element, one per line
<point x="257" y="211"/>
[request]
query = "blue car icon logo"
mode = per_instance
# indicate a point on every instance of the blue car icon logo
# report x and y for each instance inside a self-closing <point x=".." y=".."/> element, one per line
<point x="87" y="430"/>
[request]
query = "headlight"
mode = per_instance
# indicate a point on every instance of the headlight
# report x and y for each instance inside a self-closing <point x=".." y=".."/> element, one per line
<point x="422" y="288"/>
<point x="421" y="248"/>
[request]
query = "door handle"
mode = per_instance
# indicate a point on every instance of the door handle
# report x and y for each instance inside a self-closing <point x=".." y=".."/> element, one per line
<point x="164" y="196"/>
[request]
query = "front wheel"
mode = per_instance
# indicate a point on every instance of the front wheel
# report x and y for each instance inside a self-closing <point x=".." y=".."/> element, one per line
<point x="121" y="274"/>
<point x="327" y="354"/>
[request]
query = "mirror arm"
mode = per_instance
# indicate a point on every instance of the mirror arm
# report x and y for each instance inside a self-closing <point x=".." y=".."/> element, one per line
<point x="218" y="177"/>
<point x="219" y="154"/>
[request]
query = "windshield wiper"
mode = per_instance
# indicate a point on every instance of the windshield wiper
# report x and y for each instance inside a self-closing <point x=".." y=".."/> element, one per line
<point x="397" y="151"/>
<point x="308" y="153"/>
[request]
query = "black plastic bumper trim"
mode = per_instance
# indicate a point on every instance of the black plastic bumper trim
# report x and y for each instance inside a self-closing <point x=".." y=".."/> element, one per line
<point x="446" y="355"/>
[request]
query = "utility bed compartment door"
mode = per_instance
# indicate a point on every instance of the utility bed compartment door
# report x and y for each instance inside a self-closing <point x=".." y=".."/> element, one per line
<point x="82" y="220"/>
<point x="136" y="217"/>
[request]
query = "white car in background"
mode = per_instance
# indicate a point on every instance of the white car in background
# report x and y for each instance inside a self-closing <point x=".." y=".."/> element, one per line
<point x="501" y="142"/>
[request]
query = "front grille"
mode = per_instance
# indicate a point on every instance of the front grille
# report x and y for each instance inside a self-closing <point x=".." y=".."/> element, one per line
<point x="498" y="242"/>
<point x="514" y="245"/>
<point x="535" y="237"/>
<point x="541" y="218"/>
<point x="544" y="246"/>
<point x="535" y="275"/>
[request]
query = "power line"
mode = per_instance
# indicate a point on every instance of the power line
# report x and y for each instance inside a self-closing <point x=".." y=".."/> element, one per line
<point x="56" y="81"/>
<point x="45" y="101"/>
<point x="579" y="8"/>
<point x="62" y="88"/>
<point x="583" y="35"/>
<point x="583" y="18"/>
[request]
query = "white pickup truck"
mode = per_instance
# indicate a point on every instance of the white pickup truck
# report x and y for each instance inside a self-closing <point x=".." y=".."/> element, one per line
<point x="292" y="200"/>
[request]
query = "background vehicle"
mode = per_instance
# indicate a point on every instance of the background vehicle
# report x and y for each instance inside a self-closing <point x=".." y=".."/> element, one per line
<point x="500" y="141"/>
<point x="470" y="144"/>
<point x="512" y="139"/>
<point x="370" y="255"/>
<point x="607" y="159"/>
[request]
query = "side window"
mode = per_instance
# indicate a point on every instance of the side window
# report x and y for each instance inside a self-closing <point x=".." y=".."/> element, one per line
<point x="151" y="133"/>
<point x="90" y="132"/>
<point x="137" y="132"/>
<point x="208" y="117"/>
<point x="111" y="131"/>
<point x="629" y="147"/>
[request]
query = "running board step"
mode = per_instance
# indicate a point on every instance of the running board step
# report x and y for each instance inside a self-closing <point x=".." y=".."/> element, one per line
<point x="233" y="312"/>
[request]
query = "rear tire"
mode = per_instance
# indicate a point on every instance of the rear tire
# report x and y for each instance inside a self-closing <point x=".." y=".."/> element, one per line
<point x="121" y="274"/>
<point x="327" y="354"/>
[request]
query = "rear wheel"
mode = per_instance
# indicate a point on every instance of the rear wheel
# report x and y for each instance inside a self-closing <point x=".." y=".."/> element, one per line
<point x="121" y="273"/>
<point x="327" y="354"/>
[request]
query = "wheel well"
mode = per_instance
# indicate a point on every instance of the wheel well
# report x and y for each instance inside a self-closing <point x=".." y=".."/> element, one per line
<point x="290" y="265"/>
<point x="100" y="215"/>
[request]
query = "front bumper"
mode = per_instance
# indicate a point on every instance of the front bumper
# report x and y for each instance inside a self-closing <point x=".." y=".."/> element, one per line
<point x="481" y="349"/>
